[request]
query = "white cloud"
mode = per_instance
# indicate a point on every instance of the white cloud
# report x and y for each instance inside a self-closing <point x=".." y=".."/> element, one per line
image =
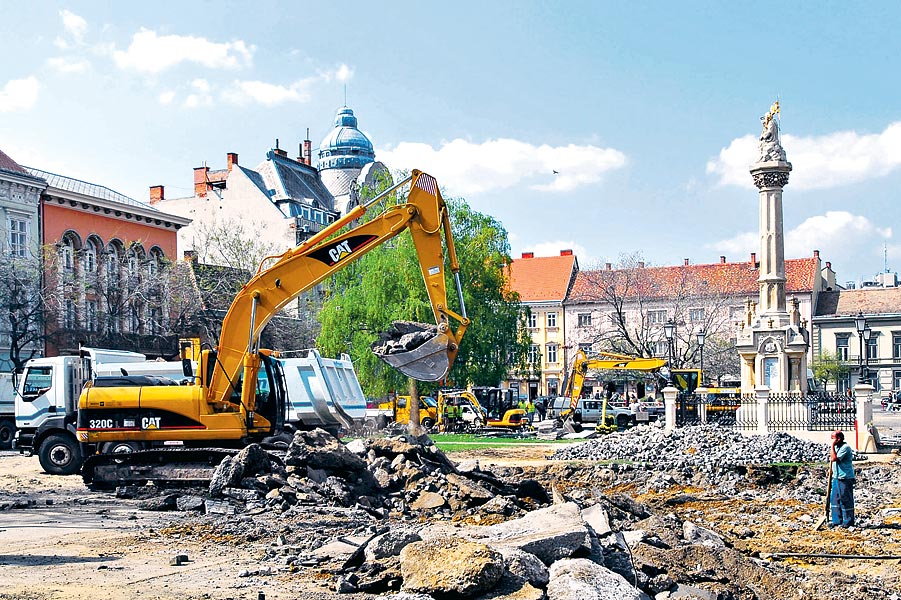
<point x="64" y="64"/>
<point x="150" y="53"/>
<point x="838" y="235"/>
<point x="198" y="100"/>
<point x="344" y="73"/>
<point x="268" y="94"/>
<point x="201" y="85"/>
<point x="818" y="162"/>
<point x="19" y="94"/>
<point x="466" y="167"/>
<point x="167" y="97"/>
<point x="75" y="25"/>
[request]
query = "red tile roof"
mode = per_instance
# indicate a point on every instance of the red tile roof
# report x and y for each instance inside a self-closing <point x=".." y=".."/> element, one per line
<point x="8" y="164"/>
<point x="543" y="278"/>
<point x="713" y="279"/>
<point x="877" y="301"/>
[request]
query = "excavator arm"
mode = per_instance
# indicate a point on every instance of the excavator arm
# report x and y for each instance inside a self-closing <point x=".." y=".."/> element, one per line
<point x="426" y="216"/>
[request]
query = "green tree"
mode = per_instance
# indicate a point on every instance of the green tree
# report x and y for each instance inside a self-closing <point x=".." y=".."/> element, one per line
<point x="386" y="285"/>
<point x="829" y="366"/>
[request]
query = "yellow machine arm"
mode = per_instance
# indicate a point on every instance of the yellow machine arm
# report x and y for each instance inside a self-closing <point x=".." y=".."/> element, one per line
<point x="605" y="361"/>
<point x="299" y="269"/>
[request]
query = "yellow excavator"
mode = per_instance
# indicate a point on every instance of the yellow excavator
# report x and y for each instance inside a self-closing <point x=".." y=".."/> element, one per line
<point x="237" y="395"/>
<point x="606" y="361"/>
<point x="493" y="408"/>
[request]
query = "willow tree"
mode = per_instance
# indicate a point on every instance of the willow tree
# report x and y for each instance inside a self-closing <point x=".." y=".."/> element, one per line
<point x="386" y="285"/>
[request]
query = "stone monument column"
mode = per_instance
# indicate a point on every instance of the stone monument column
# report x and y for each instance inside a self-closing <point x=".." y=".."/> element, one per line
<point x="772" y="343"/>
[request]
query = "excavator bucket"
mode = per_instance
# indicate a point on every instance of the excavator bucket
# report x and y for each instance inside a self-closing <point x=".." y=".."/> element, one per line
<point x="417" y="350"/>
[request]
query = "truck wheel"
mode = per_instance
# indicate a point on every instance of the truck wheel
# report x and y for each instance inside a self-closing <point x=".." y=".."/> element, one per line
<point x="623" y="421"/>
<point x="60" y="454"/>
<point x="7" y="432"/>
<point x="427" y="423"/>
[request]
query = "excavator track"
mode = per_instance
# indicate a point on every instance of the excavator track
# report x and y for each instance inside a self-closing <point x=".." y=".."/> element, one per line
<point x="165" y="467"/>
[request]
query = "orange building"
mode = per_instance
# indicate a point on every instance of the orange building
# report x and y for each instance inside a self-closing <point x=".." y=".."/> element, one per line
<point x="107" y="255"/>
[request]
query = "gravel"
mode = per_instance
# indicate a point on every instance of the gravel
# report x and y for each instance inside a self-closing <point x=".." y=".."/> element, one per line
<point x="706" y="448"/>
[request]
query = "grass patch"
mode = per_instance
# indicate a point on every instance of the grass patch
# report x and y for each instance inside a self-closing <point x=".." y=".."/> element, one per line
<point x="461" y="442"/>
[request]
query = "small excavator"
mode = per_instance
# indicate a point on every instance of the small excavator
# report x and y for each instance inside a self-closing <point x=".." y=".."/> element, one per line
<point x="237" y="395"/>
<point x="602" y="361"/>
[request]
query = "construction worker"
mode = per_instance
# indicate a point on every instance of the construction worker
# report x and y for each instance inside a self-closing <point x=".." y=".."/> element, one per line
<point x="530" y="410"/>
<point x="447" y="415"/>
<point x="522" y="404"/>
<point x="458" y="416"/>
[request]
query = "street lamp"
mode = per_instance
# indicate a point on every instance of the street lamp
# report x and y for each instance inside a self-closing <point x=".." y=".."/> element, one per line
<point x="669" y="330"/>
<point x="701" y="334"/>
<point x="867" y="332"/>
<point x="860" y="322"/>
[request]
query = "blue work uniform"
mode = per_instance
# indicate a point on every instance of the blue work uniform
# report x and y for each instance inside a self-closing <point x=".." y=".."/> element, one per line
<point x="842" y="500"/>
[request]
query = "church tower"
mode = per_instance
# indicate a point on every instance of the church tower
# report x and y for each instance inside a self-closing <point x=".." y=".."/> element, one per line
<point x="347" y="161"/>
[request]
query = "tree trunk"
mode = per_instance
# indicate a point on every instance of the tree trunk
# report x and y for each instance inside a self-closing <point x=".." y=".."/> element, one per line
<point x="413" y="426"/>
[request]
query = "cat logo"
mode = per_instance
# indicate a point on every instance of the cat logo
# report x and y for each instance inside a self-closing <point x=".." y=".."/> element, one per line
<point x="339" y="251"/>
<point x="151" y="422"/>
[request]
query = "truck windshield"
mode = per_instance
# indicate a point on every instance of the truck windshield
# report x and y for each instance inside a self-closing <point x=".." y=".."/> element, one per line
<point x="37" y="380"/>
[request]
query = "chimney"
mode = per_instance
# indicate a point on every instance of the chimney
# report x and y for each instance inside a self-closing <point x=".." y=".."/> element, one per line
<point x="190" y="255"/>
<point x="753" y="259"/>
<point x="816" y="253"/>
<point x="723" y="259"/>
<point x="279" y="151"/>
<point x="201" y="181"/>
<point x="308" y="149"/>
<point x="686" y="262"/>
<point x="528" y="255"/>
<point x="608" y="266"/>
<point x="232" y="158"/>
<point x="566" y="253"/>
<point x="828" y="265"/>
<point x="641" y="264"/>
<point x="157" y="194"/>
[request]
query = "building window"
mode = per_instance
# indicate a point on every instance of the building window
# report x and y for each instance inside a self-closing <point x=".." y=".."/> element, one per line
<point x="90" y="313"/>
<point x="896" y="345"/>
<point x="18" y="236"/>
<point x="873" y="348"/>
<point x="90" y="257"/>
<point x="657" y="316"/>
<point x="113" y="320"/>
<point x="134" y="319"/>
<point x="841" y="347"/>
<point x="534" y="354"/>
<point x="551" y="353"/>
<point x="552" y="319"/>
<point x="696" y="315"/>
<point x="586" y="348"/>
<point x="736" y="312"/>
<point x="69" y="314"/>
<point x="66" y="256"/>
<point x="533" y="320"/>
<point x="896" y="379"/>
<point x="584" y="319"/>
<point x="660" y="348"/>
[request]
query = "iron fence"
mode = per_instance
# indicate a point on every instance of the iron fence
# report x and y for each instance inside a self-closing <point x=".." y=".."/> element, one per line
<point x="813" y="412"/>
<point x="687" y="412"/>
<point x="737" y="413"/>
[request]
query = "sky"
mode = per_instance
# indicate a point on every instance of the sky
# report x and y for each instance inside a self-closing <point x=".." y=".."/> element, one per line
<point x="607" y="128"/>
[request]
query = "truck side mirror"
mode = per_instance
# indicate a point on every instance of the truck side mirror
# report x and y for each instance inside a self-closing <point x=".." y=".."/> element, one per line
<point x="186" y="368"/>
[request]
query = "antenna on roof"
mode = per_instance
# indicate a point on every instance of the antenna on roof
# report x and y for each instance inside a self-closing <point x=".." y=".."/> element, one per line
<point x="276" y="143"/>
<point x="345" y="95"/>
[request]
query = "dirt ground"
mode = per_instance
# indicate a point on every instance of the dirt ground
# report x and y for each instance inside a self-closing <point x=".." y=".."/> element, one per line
<point x="60" y="541"/>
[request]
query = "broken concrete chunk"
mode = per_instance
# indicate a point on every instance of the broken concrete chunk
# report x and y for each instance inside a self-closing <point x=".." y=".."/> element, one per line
<point x="581" y="579"/>
<point x="450" y="567"/>
<point x="695" y="534"/>
<point x="525" y="565"/>
<point x="390" y="544"/>
<point x="597" y="519"/>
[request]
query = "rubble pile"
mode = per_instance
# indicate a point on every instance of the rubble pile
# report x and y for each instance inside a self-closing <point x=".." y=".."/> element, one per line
<point x="403" y="337"/>
<point x="396" y="476"/>
<point x="706" y="448"/>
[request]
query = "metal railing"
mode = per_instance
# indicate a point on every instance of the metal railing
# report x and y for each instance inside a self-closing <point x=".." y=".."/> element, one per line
<point x="785" y="411"/>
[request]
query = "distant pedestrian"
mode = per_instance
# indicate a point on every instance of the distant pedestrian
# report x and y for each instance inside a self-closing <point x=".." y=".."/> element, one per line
<point x="842" y="500"/>
<point x="530" y="410"/>
<point x="541" y="409"/>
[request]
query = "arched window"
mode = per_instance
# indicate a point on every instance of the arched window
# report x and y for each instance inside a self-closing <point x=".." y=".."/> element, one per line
<point x="89" y="257"/>
<point x="67" y="255"/>
<point x="113" y="263"/>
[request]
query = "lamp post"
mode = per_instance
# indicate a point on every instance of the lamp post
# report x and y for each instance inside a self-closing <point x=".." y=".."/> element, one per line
<point x="860" y="322"/>
<point x="867" y="332"/>
<point x="701" y="334"/>
<point x="669" y="330"/>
